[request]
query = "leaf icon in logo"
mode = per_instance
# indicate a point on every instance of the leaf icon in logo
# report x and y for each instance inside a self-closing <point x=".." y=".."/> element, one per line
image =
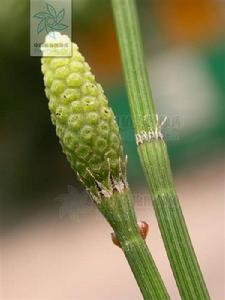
<point x="60" y="27"/>
<point x="41" y="26"/>
<point x="60" y="15"/>
<point x="51" y="10"/>
<point x="41" y="15"/>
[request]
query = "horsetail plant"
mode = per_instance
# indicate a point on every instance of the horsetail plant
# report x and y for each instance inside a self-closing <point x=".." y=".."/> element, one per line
<point x="89" y="137"/>
<point x="154" y="157"/>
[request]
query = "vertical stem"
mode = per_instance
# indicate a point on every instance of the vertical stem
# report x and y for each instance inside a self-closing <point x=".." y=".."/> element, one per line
<point x="119" y="212"/>
<point x="154" y="157"/>
<point x="135" y="69"/>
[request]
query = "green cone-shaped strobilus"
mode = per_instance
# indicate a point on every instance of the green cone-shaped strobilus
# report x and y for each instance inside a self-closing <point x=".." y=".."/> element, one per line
<point x="85" y="124"/>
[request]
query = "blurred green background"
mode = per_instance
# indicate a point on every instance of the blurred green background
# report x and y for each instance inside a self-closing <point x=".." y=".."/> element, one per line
<point x="185" y="50"/>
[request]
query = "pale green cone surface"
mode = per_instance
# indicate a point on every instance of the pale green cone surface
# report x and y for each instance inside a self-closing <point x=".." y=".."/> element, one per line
<point x="84" y="123"/>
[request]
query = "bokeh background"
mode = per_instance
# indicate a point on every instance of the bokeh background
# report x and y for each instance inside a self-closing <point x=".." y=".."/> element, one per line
<point x="54" y="244"/>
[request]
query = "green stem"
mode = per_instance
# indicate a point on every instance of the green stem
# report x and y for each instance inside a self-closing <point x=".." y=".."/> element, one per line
<point x="119" y="212"/>
<point x="154" y="157"/>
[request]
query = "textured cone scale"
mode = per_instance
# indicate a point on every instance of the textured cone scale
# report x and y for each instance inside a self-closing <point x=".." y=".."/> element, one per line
<point x="84" y="123"/>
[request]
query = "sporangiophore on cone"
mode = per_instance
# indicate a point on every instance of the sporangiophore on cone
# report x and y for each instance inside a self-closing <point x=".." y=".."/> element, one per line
<point x="85" y="124"/>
